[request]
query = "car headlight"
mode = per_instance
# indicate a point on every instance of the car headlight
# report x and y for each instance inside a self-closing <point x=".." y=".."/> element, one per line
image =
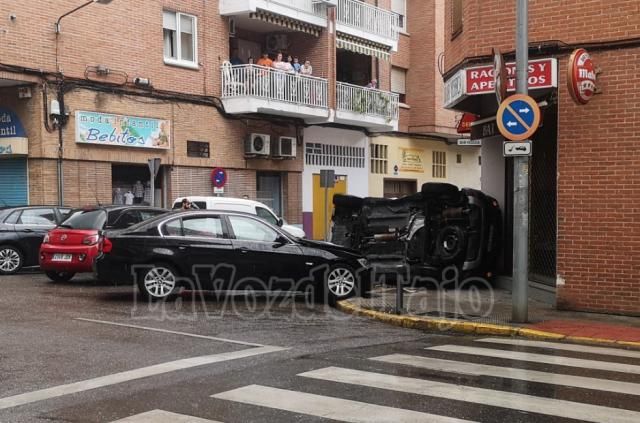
<point x="363" y="262"/>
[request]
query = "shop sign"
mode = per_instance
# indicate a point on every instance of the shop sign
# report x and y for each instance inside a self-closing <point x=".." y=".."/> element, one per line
<point x="543" y="73"/>
<point x="469" y="141"/>
<point x="13" y="138"/>
<point x="484" y="130"/>
<point x="581" y="76"/>
<point x="123" y="131"/>
<point x="411" y="160"/>
<point x="464" y="125"/>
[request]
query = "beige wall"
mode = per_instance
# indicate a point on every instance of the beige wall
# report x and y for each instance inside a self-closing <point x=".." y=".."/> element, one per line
<point x="465" y="174"/>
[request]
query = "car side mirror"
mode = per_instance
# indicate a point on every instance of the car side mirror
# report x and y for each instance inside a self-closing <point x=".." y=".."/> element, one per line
<point x="280" y="221"/>
<point x="280" y="241"/>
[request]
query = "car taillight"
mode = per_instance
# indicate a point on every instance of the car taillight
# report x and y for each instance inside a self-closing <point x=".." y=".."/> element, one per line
<point x="107" y="246"/>
<point x="46" y="239"/>
<point x="91" y="240"/>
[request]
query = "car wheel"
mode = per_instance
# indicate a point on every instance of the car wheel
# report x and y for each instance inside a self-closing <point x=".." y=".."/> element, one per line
<point x="11" y="260"/>
<point x="60" y="276"/>
<point x="451" y="243"/>
<point x="158" y="282"/>
<point x="340" y="282"/>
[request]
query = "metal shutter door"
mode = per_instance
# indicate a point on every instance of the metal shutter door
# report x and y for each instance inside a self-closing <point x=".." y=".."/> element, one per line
<point x="14" y="185"/>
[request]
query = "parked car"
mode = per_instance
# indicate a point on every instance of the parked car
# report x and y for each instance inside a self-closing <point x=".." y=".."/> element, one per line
<point x="241" y="205"/>
<point x="22" y="230"/>
<point x="438" y="227"/>
<point x="224" y="250"/>
<point x="73" y="245"/>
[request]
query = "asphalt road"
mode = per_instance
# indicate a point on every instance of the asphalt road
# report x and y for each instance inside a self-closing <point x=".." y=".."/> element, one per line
<point x="81" y="352"/>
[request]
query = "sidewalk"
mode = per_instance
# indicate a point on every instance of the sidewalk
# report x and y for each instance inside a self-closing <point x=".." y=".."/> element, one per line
<point x="488" y="312"/>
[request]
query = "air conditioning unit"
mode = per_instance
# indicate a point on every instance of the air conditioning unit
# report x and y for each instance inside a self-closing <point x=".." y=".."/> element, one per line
<point x="284" y="147"/>
<point x="277" y="42"/>
<point x="258" y="145"/>
<point x="232" y="28"/>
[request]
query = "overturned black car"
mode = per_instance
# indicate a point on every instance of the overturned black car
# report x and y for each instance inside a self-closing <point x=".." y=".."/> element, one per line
<point x="425" y="233"/>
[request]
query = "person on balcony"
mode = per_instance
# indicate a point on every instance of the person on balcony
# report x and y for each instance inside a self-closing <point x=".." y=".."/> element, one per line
<point x="235" y="60"/>
<point x="296" y="64"/>
<point x="373" y="84"/>
<point x="265" y="61"/>
<point x="281" y="90"/>
<point x="306" y="69"/>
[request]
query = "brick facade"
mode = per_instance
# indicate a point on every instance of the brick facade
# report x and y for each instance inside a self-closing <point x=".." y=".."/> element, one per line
<point x="598" y="242"/>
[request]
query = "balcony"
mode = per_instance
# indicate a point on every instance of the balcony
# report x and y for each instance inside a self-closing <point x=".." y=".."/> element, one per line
<point x="374" y="109"/>
<point x="370" y="23"/>
<point x="257" y="89"/>
<point x="302" y="15"/>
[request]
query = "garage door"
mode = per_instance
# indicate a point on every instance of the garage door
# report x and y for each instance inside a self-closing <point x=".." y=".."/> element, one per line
<point x="14" y="185"/>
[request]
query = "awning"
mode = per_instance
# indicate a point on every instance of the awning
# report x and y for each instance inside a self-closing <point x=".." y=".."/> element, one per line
<point x="358" y="45"/>
<point x="286" y="22"/>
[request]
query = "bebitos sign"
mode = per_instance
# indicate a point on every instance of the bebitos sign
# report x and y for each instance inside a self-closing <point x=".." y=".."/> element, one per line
<point x="122" y="131"/>
<point x="581" y="76"/>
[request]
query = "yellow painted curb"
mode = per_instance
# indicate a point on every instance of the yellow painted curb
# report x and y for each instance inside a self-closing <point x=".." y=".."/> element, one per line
<point x="425" y="323"/>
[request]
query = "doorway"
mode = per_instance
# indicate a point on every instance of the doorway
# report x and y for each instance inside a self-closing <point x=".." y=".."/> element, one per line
<point x="131" y="184"/>
<point x="397" y="188"/>
<point x="269" y="190"/>
<point x="320" y="224"/>
<point x="353" y="68"/>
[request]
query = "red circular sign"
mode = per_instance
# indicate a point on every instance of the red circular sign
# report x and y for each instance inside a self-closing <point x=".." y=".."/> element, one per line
<point x="581" y="76"/>
<point x="219" y="177"/>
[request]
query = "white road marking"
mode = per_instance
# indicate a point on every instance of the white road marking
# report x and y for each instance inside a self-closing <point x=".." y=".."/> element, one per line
<point x="504" y="399"/>
<point x="173" y="332"/>
<point x="564" y="347"/>
<point x="327" y="407"/>
<point x="116" y="378"/>
<point x="540" y="358"/>
<point x="511" y="373"/>
<point x="159" y="416"/>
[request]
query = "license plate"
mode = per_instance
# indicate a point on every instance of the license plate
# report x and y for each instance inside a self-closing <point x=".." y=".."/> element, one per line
<point x="62" y="257"/>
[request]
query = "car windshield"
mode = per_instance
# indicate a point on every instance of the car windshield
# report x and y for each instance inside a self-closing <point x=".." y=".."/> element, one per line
<point x="86" y="219"/>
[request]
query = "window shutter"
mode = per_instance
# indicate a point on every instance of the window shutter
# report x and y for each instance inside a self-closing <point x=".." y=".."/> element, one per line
<point x="169" y="20"/>
<point x="398" y="80"/>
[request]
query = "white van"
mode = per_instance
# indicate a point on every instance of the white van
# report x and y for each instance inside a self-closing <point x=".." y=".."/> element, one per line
<point x="240" y="205"/>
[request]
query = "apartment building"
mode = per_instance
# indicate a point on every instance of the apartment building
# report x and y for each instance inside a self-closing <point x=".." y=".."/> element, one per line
<point x="584" y="236"/>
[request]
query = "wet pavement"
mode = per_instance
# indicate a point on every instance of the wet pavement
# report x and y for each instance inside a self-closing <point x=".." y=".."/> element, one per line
<point x="83" y="352"/>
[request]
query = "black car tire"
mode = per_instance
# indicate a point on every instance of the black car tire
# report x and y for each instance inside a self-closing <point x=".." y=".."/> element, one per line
<point x="340" y="283"/>
<point x="158" y="282"/>
<point x="11" y="260"/>
<point x="60" y="276"/>
<point x="451" y="243"/>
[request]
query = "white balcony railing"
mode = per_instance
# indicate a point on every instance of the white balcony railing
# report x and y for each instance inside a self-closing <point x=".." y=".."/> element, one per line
<point x="368" y="18"/>
<point x="309" y="6"/>
<point x="368" y="101"/>
<point x="275" y="85"/>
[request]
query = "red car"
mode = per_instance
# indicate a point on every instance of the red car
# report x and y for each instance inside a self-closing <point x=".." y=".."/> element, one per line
<point x="73" y="245"/>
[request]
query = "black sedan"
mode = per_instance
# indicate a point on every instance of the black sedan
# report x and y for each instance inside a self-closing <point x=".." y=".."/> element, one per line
<point x="21" y="232"/>
<point x="221" y="250"/>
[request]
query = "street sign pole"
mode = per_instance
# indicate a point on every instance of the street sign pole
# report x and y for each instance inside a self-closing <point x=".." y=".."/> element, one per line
<point x="520" y="289"/>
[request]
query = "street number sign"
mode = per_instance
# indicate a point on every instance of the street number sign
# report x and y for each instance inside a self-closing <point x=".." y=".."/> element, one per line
<point x="518" y="117"/>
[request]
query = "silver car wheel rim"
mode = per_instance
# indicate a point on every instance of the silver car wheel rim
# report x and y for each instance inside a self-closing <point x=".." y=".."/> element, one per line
<point x="341" y="282"/>
<point x="159" y="282"/>
<point x="9" y="260"/>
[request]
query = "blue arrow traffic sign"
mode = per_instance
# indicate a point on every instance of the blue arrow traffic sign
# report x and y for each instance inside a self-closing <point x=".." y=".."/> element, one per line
<point x="518" y="117"/>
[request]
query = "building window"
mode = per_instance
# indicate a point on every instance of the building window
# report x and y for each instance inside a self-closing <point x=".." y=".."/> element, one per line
<point x="198" y="149"/>
<point x="180" y="40"/>
<point x="317" y="154"/>
<point x="400" y="7"/>
<point x="456" y="18"/>
<point x="458" y="158"/>
<point x="399" y="83"/>
<point x="379" y="158"/>
<point x="439" y="164"/>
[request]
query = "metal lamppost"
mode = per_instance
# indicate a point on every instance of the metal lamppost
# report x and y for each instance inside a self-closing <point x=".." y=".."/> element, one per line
<point x="62" y="118"/>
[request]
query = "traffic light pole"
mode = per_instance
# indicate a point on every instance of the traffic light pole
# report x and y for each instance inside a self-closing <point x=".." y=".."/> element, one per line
<point x="520" y="289"/>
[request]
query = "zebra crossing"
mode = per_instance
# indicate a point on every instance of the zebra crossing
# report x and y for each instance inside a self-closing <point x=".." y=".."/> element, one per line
<point x="548" y="365"/>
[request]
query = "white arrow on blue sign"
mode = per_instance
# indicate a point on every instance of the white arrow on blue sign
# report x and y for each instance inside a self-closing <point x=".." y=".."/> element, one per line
<point x="518" y="117"/>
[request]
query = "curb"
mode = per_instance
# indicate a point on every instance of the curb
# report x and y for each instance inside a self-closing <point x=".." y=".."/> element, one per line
<point x="473" y="328"/>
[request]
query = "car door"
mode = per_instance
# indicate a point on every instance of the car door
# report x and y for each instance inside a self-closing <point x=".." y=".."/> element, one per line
<point x="31" y="227"/>
<point x="266" y="258"/>
<point x="207" y="249"/>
